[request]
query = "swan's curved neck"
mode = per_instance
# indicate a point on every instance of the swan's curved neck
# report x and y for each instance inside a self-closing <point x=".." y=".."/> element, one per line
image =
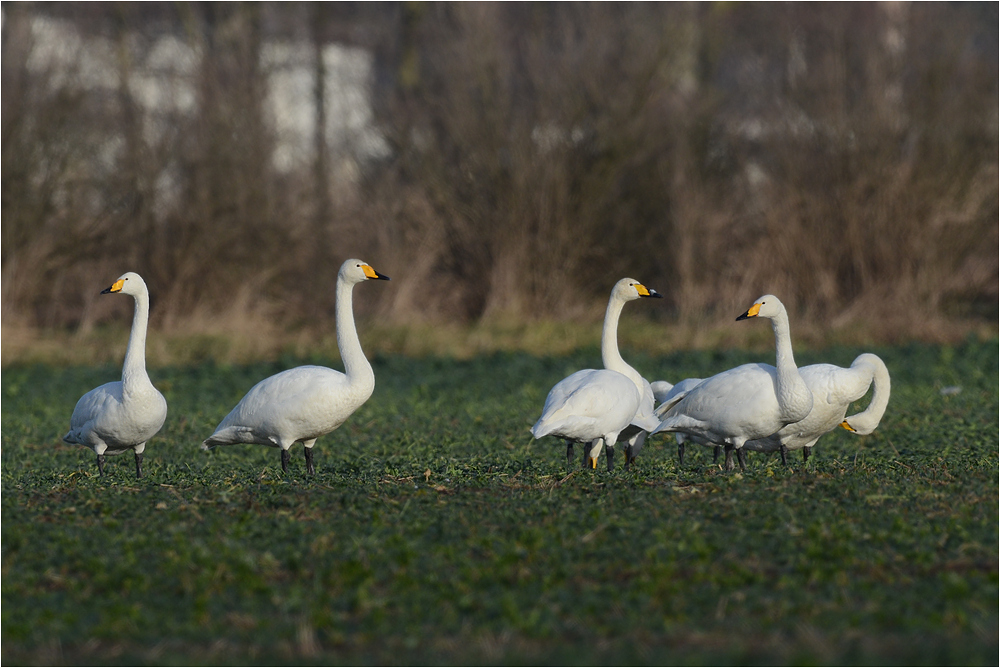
<point x="610" y="355"/>
<point x="867" y="420"/>
<point x="359" y="371"/>
<point x="785" y="358"/>
<point x="794" y="396"/>
<point x="134" y="369"/>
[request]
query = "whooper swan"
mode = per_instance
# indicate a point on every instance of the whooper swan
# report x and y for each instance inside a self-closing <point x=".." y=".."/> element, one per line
<point x="122" y="415"/>
<point x="749" y="402"/>
<point x="833" y="389"/>
<point x="644" y="420"/>
<point x="303" y="403"/>
<point x="595" y="405"/>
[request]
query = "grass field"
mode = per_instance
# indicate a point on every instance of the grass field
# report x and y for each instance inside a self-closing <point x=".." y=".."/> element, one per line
<point x="436" y="531"/>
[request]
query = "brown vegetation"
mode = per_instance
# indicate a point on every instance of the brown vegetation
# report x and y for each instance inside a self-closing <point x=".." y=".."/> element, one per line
<point x="842" y="156"/>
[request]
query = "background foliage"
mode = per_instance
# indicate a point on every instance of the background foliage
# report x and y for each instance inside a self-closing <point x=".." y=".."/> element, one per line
<point x="518" y="159"/>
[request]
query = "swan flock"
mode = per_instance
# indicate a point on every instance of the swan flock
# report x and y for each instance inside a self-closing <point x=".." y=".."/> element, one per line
<point x="753" y="407"/>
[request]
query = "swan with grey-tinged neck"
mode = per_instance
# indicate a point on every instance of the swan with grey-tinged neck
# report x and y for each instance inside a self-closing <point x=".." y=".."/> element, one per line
<point x="749" y="402"/>
<point x="834" y="389"/>
<point x="596" y="405"/>
<point x="122" y="415"/>
<point x="304" y="403"/>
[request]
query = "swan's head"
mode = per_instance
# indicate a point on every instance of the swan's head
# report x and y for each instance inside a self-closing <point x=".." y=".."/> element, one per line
<point x="628" y="289"/>
<point x="861" y="424"/>
<point x="767" y="306"/>
<point x="129" y="283"/>
<point x="358" y="271"/>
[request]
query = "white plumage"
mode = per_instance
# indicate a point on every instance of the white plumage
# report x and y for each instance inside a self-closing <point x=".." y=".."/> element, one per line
<point x="666" y="396"/>
<point x="833" y="389"/>
<point x="303" y="403"/>
<point x="590" y="406"/>
<point x="122" y="415"/>
<point x="663" y="392"/>
<point x="749" y="402"/>
<point x="596" y="405"/>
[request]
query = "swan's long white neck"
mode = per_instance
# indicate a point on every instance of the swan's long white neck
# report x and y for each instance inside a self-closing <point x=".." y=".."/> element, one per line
<point x="134" y="369"/>
<point x="794" y="397"/>
<point x="359" y="371"/>
<point x="867" y="420"/>
<point x="610" y="355"/>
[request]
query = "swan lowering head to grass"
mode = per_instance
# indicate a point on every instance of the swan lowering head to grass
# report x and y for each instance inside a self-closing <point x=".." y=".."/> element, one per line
<point x="302" y="404"/>
<point x="749" y="402"/>
<point x="121" y="416"/>
<point x="833" y="389"/>
<point x="595" y="405"/>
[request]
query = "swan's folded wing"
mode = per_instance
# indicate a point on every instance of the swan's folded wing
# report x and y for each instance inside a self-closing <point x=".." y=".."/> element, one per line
<point x="675" y="394"/>
<point x="588" y="404"/>
<point x="282" y="395"/>
<point x="99" y="401"/>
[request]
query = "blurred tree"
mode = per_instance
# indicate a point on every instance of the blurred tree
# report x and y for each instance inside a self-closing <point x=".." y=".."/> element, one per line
<point x="503" y="160"/>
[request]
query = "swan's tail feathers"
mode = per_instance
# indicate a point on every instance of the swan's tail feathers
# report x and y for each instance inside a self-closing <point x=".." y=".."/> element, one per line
<point x="662" y="410"/>
<point x="673" y="396"/>
<point x="646" y="423"/>
<point x="228" y="436"/>
<point x="70" y="437"/>
<point x="540" y="430"/>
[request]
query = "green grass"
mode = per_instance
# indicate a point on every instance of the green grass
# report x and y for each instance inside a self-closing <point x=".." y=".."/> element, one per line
<point x="436" y="531"/>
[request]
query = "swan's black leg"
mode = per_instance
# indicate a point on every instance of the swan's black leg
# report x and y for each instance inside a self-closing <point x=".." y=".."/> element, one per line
<point x="716" y="451"/>
<point x="611" y="457"/>
<point x="569" y="453"/>
<point x="284" y="460"/>
<point x="805" y="454"/>
<point x="309" y="462"/>
<point x="742" y="458"/>
<point x="680" y="453"/>
<point x="784" y="455"/>
<point x="100" y="464"/>
<point x="138" y="465"/>
<point x="729" y="466"/>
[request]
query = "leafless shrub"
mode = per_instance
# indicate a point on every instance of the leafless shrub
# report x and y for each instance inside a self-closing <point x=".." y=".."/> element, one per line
<point x="519" y="159"/>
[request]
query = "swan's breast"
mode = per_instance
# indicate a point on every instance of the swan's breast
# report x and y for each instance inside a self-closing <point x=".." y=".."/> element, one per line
<point x="117" y="419"/>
